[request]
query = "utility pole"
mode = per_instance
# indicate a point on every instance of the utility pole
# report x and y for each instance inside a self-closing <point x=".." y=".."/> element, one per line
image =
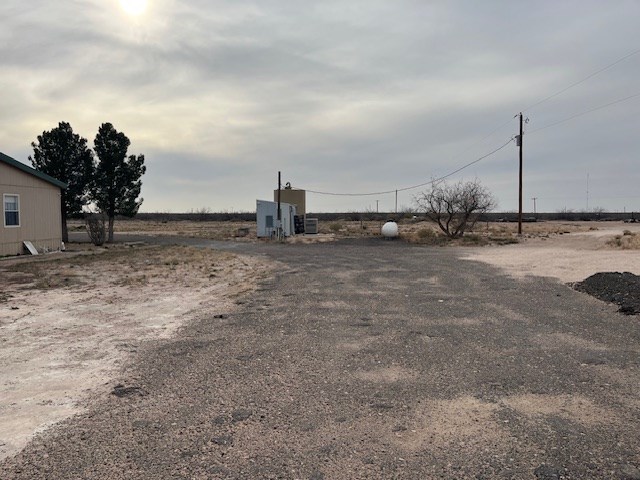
<point x="587" y="192"/>
<point x="520" y="180"/>
<point x="396" y="201"/>
<point x="376" y="206"/>
<point x="534" y="205"/>
<point x="279" y="226"/>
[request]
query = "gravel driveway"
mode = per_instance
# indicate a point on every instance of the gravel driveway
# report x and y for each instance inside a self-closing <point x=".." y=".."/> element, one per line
<point x="370" y="359"/>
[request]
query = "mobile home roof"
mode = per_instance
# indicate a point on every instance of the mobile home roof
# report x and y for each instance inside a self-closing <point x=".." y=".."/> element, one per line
<point x="32" y="171"/>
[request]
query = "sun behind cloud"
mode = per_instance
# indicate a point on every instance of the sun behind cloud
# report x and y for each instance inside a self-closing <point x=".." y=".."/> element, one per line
<point x="134" y="7"/>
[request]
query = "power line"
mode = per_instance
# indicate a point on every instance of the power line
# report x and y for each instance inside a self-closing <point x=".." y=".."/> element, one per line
<point x="591" y="197"/>
<point x="459" y="169"/>
<point x="586" y="112"/>
<point x="344" y="194"/>
<point x="591" y="75"/>
<point x="432" y="181"/>
<point x="635" y="52"/>
<point x="500" y="127"/>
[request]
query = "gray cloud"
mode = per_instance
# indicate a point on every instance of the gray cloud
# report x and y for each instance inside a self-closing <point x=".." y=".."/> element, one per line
<point x="340" y="96"/>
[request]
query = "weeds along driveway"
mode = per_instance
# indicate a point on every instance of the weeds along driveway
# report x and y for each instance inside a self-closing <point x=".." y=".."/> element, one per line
<point x="370" y="360"/>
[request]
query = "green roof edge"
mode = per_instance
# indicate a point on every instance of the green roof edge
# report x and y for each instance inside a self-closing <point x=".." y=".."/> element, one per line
<point x="36" y="173"/>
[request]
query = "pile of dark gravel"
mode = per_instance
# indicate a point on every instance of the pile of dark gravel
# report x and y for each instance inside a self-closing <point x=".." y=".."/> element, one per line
<point x="623" y="289"/>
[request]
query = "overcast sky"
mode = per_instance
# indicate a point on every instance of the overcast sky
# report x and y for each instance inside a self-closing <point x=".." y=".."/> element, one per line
<point x="341" y="96"/>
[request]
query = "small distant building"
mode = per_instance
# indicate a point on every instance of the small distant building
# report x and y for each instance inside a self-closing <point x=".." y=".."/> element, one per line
<point x="295" y="197"/>
<point x="267" y="218"/>
<point x="30" y="208"/>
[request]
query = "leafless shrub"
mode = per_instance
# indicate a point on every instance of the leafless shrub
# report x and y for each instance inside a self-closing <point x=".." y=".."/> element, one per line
<point x="455" y="208"/>
<point x="95" y="223"/>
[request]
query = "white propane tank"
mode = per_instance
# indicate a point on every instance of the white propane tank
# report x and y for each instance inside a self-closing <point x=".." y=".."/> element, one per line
<point x="390" y="230"/>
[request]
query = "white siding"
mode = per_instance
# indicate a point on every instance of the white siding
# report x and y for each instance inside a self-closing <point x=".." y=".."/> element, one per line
<point x="265" y="209"/>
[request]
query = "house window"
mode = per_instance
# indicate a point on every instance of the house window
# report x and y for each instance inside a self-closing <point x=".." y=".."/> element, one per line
<point x="11" y="210"/>
<point x="269" y="221"/>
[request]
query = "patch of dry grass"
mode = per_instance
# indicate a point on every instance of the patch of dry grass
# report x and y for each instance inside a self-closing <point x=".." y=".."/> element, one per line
<point x="533" y="228"/>
<point x="350" y="229"/>
<point x="120" y="264"/>
<point x="427" y="233"/>
<point x="184" y="228"/>
<point x="627" y="241"/>
<point x="416" y="231"/>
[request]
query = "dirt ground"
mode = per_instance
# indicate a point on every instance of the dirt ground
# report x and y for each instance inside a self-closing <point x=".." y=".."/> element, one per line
<point x="69" y="320"/>
<point x="367" y="359"/>
<point x="589" y="248"/>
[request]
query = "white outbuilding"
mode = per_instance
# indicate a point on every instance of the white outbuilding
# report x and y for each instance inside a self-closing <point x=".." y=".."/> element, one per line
<point x="267" y="218"/>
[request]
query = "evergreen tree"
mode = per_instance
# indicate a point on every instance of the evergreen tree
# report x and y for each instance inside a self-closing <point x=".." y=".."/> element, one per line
<point x="116" y="183"/>
<point x="65" y="156"/>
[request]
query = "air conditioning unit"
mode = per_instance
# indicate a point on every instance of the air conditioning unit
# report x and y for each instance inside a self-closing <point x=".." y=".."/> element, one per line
<point x="311" y="226"/>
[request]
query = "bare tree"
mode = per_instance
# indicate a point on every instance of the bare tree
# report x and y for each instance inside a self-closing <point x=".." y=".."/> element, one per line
<point x="455" y="207"/>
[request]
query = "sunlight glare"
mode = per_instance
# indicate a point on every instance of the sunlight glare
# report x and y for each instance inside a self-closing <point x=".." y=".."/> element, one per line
<point x="134" y="7"/>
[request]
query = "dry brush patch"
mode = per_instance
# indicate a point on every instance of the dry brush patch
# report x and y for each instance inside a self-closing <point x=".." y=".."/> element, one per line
<point x="627" y="241"/>
<point x="412" y="230"/>
<point x="121" y="265"/>
<point x="223" y="230"/>
<point x="535" y="228"/>
<point x="487" y="233"/>
<point x="350" y="228"/>
<point x="427" y="233"/>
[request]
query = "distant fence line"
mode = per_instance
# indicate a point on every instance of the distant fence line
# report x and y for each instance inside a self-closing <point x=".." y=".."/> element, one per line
<point x="382" y="216"/>
<point x="568" y="216"/>
<point x="198" y="217"/>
